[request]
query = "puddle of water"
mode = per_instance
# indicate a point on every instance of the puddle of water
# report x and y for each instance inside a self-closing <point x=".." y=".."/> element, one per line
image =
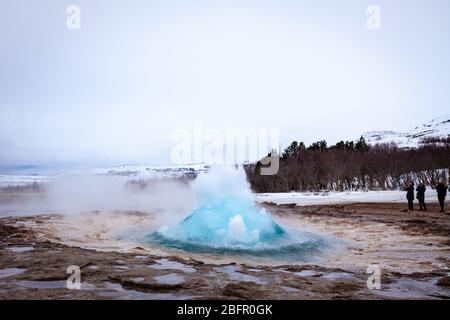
<point x="411" y="289"/>
<point x="43" y="284"/>
<point x="254" y="270"/>
<point x="337" y="275"/>
<point x="307" y="273"/>
<point x="60" y="284"/>
<point x="8" y="272"/>
<point x="19" y="249"/>
<point x="121" y="268"/>
<point x="172" y="278"/>
<point x="118" y="292"/>
<point x="233" y="273"/>
<point x="282" y="270"/>
<point x="290" y="289"/>
<point x="172" y="265"/>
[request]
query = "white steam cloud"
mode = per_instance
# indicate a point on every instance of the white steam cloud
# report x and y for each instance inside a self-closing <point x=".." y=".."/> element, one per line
<point x="167" y="199"/>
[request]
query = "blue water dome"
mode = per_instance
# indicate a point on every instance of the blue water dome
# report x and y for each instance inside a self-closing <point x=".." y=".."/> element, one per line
<point x="227" y="222"/>
<point x="227" y="219"/>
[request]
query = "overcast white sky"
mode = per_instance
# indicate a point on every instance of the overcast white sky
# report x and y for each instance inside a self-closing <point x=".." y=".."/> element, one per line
<point x="114" y="91"/>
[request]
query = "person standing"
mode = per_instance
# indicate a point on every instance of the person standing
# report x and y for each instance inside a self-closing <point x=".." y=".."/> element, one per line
<point x="410" y="196"/>
<point x="421" y="196"/>
<point x="441" y="190"/>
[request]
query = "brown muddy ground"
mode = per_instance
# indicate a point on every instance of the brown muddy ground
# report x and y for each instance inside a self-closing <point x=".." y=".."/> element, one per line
<point x="411" y="249"/>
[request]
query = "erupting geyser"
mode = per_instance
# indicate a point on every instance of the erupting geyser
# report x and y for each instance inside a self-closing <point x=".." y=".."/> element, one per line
<point x="227" y="219"/>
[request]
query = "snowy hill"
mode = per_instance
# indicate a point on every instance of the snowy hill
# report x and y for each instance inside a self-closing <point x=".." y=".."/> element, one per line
<point x="143" y="172"/>
<point x="436" y="128"/>
<point x="130" y="172"/>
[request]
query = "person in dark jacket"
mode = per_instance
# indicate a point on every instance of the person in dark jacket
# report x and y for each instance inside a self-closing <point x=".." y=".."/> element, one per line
<point x="421" y="196"/>
<point x="441" y="190"/>
<point x="410" y="196"/>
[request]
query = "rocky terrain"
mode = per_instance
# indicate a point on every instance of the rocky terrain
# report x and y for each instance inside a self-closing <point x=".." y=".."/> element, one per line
<point x="415" y="266"/>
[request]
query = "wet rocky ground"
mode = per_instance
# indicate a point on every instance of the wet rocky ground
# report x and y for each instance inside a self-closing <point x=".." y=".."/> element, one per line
<point x="34" y="268"/>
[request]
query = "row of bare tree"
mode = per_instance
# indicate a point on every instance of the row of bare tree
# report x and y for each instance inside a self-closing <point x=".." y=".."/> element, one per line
<point x="353" y="166"/>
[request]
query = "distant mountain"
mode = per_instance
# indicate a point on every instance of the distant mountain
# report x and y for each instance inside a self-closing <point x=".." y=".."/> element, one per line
<point x="437" y="128"/>
<point x="144" y="172"/>
<point x="130" y="172"/>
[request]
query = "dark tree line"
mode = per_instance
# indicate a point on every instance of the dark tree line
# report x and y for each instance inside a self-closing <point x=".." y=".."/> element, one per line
<point x="353" y="166"/>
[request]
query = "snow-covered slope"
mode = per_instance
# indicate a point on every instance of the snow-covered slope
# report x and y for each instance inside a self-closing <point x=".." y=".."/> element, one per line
<point x="143" y="172"/>
<point x="131" y="172"/>
<point x="436" y="128"/>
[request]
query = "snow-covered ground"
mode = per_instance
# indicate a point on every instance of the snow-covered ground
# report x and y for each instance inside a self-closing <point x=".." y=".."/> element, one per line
<point x="325" y="198"/>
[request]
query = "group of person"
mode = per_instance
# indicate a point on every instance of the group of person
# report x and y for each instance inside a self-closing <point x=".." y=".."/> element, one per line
<point x="441" y="189"/>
